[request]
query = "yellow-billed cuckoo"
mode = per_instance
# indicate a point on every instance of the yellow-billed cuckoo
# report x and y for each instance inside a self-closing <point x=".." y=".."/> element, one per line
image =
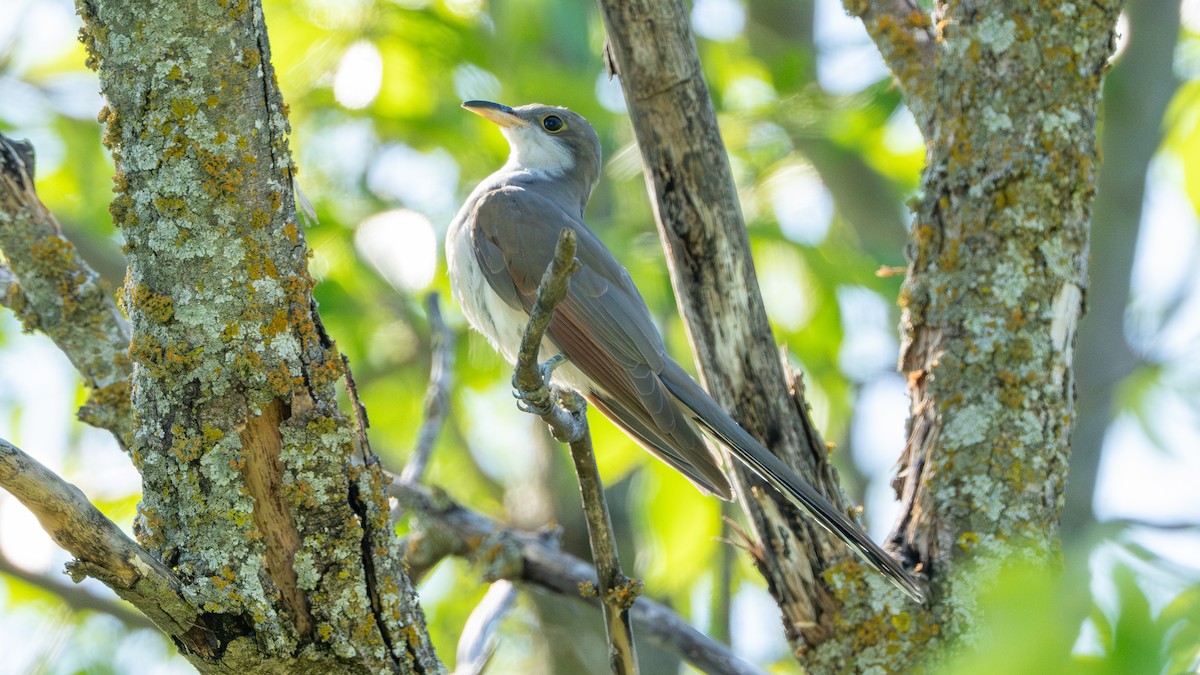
<point x="497" y="249"/>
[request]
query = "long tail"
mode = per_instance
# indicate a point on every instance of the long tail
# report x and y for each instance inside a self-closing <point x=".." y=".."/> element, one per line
<point x="783" y="479"/>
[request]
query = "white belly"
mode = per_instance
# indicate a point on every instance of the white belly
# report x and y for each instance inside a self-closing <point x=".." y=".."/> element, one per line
<point x="487" y="313"/>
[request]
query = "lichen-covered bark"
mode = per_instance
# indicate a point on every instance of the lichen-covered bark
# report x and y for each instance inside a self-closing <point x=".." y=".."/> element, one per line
<point x="257" y="491"/>
<point x="53" y="290"/>
<point x="907" y="39"/>
<point x="998" y="267"/>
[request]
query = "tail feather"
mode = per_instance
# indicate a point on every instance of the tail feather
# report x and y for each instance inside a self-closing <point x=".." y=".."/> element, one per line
<point x="779" y="476"/>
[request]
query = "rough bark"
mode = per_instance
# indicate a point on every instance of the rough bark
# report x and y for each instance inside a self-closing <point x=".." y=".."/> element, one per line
<point x="994" y="292"/>
<point x="809" y="573"/>
<point x="258" y="493"/>
<point x="100" y="548"/>
<point x="53" y="290"/>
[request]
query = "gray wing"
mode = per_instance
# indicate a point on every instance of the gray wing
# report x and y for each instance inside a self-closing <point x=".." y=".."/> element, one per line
<point x="602" y="326"/>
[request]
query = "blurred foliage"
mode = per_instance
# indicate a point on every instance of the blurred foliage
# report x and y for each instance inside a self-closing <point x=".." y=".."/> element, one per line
<point x="824" y="154"/>
<point x="1146" y="619"/>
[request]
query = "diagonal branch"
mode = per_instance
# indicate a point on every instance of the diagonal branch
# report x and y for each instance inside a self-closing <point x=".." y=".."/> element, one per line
<point x="60" y="295"/>
<point x="452" y="529"/>
<point x="101" y="549"/>
<point x="568" y="423"/>
<point x="708" y="253"/>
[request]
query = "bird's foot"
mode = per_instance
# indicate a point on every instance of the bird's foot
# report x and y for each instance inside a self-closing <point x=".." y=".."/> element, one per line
<point x="539" y="401"/>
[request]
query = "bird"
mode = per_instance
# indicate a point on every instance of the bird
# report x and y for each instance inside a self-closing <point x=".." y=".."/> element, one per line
<point x="499" y="245"/>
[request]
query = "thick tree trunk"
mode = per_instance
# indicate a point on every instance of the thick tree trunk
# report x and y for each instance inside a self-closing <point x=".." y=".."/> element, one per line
<point x="258" y="493"/>
<point x="997" y="271"/>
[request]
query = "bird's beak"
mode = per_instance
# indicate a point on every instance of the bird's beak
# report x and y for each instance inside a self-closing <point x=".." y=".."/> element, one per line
<point x="496" y="112"/>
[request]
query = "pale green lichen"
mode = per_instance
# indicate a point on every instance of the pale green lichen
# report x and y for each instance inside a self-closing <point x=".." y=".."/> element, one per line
<point x="997" y="32"/>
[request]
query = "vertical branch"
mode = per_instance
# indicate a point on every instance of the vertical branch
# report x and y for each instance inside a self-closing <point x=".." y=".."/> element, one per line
<point x="708" y="252"/>
<point x="436" y="396"/>
<point x="569" y="424"/>
<point x="617" y="592"/>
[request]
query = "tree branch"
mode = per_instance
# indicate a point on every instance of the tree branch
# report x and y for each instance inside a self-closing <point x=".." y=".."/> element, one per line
<point x="906" y="38"/>
<point x="60" y="295"/>
<point x="531" y="380"/>
<point x="508" y="553"/>
<point x="477" y="643"/>
<point x="437" y="395"/>
<point x="708" y="252"/>
<point x="100" y="548"/>
<point x="569" y="423"/>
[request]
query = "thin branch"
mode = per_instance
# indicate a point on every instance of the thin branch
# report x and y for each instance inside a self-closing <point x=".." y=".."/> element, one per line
<point x="101" y="549"/>
<point x="569" y="424"/>
<point x="616" y="590"/>
<point x="531" y="380"/>
<point x="452" y="529"/>
<point x="78" y="599"/>
<point x="437" y="396"/>
<point x="1161" y="525"/>
<point x="61" y="295"/>
<point x="712" y="271"/>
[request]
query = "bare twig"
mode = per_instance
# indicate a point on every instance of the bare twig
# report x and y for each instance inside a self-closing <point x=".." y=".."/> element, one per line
<point x="437" y="395"/>
<point x="569" y="424"/>
<point x="60" y="295"/>
<point x="532" y="380"/>
<point x="616" y="590"/>
<point x="532" y="558"/>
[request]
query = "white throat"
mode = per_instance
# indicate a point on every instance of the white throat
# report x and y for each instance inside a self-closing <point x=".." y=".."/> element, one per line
<point x="537" y="153"/>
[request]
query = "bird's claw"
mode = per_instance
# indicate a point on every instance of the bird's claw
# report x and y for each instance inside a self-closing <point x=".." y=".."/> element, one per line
<point x="546" y="370"/>
<point x="527" y="407"/>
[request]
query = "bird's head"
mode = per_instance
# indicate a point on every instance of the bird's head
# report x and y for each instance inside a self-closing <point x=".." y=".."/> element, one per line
<point x="546" y="140"/>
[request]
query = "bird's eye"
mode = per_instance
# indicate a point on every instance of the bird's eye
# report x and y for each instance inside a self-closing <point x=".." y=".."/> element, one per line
<point x="553" y="123"/>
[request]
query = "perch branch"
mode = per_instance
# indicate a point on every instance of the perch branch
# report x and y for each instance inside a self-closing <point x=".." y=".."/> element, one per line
<point x="101" y="549"/>
<point x="568" y="423"/>
<point x="77" y="598"/>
